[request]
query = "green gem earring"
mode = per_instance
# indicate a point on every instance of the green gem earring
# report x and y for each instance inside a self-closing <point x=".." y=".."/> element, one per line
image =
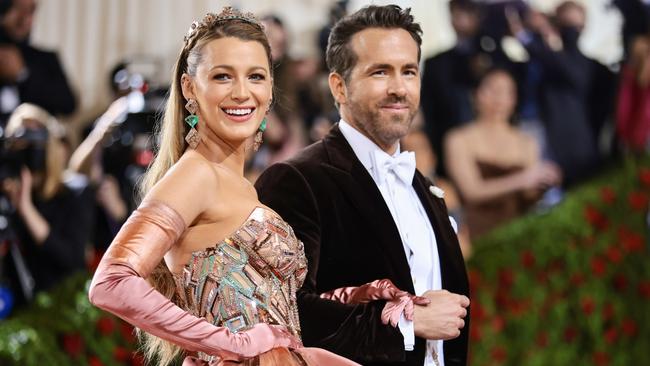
<point x="258" y="135"/>
<point x="192" y="120"/>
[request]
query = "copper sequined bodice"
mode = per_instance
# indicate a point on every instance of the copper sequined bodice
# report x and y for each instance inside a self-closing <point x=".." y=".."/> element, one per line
<point x="249" y="277"/>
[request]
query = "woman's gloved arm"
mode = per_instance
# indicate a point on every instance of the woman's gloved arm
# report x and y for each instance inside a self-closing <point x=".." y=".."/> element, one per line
<point x="119" y="286"/>
<point x="397" y="301"/>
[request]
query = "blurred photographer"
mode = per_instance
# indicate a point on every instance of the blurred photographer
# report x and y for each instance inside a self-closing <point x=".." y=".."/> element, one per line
<point x="28" y="74"/>
<point x="49" y="219"/>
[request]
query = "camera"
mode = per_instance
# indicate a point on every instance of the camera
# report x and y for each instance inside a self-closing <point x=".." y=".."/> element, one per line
<point x="26" y="147"/>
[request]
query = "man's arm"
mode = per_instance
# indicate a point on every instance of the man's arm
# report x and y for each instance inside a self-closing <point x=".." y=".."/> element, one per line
<point x="353" y="331"/>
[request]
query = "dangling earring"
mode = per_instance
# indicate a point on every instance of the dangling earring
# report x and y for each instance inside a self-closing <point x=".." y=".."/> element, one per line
<point x="258" y="135"/>
<point x="192" y="137"/>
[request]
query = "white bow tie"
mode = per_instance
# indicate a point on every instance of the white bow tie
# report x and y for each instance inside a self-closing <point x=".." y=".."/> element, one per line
<point x="402" y="165"/>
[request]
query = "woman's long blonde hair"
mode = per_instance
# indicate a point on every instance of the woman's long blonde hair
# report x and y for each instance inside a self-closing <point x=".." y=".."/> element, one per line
<point x="171" y="131"/>
<point x="55" y="162"/>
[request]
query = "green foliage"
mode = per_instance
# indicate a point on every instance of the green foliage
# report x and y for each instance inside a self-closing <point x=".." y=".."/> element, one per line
<point x="571" y="286"/>
<point x="62" y="328"/>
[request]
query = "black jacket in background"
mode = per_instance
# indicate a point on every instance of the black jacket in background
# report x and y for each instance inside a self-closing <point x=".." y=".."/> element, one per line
<point x="46" y="84"/>
<point x="70" y="216"/>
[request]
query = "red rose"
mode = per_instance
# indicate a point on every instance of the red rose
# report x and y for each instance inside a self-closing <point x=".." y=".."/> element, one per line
<point x="611" y="335"/>
<point x="632" y="242"/>
<point x="73" y="344"/>
<point x="94" y="361"/>
<point x="644" y="176"/>
<point x="629" y="327"/>
<point x="527" y="259"/>
<point x="595" y="218"/>
<point x="499" y="354"/>
<point x="620" y="282"/>
<point x="120" y="354"/>
<point x="105" y="325"/>
<point x="614" y="254"/>
<point x="608" y="195"/>
<point x="638" y="201"/>
<point x="598" y="266"/>
<point x="588" y="305"/>
<point x="600" y="358"/>
<point x="570" y="333"/>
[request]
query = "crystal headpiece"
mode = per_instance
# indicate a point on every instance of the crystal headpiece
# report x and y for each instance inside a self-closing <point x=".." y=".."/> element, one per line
<point x="210" y="19"/>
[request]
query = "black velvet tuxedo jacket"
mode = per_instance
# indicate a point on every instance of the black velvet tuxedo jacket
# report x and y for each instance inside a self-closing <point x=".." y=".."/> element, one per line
<point x="350" y="238"/>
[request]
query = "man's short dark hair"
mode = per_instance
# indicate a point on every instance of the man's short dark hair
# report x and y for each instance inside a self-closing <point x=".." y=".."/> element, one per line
<point x="340" y="57"/>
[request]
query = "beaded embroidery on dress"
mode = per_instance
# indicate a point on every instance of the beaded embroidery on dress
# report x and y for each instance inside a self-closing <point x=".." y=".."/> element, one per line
<point x="249" y="277"/>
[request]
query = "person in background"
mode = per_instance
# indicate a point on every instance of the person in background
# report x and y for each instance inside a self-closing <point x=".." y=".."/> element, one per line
<point x="497" y="168"/>
<point x="285" y="133"/>
<point x="52" y="219"/>
<point x="564" y="88"/>
<point x="28" y="74"/>
<point x="450" y="77"/>
<point x="633" y="112"/>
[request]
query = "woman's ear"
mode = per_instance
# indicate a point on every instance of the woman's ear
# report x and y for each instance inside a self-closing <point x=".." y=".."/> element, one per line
<point x="187" y="85"/>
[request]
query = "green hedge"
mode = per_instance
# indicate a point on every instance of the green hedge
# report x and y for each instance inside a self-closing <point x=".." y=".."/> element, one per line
<point x="63" y="328"/>
<point x="570" y="287"/>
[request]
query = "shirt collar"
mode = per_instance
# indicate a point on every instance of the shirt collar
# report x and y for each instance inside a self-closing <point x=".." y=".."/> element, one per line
<point x="362" y="146"/>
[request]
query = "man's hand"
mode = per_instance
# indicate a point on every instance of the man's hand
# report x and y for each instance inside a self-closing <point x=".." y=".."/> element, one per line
<point x="443" y="317"/>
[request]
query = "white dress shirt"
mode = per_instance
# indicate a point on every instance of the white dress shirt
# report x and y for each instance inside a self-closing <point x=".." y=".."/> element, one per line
<point x="416" y="232"/>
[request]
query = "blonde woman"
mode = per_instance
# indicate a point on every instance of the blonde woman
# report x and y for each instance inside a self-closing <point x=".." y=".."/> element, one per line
<point x="51" y="221"/>
<point x="224" y="268"/>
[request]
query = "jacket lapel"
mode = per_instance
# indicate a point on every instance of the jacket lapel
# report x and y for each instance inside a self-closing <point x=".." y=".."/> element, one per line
<point x="452" y="267"/>
<point x="360" y="189"/>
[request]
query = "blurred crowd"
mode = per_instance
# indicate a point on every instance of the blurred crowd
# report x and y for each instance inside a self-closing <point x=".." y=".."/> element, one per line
<point x="502" y="135"/>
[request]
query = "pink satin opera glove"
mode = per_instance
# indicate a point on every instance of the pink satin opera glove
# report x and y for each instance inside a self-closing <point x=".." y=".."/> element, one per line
<point x="119" y="286"/>
<point x="397" y="301"/>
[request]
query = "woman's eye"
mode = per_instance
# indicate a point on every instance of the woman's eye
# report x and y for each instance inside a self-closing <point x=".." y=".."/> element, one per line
<point x="221" y="77"/>
<point x="257" y="77"/>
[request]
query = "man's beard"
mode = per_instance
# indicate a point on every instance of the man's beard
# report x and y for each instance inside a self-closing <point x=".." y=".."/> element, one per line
<point x="389" y="129"/>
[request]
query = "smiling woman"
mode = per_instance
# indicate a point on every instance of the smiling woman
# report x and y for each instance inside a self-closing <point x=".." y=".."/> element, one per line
<point x="202" y="266"/>
<point x="232" y="87"/>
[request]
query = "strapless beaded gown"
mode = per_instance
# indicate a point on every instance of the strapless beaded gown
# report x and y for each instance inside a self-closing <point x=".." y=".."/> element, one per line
<point x="251" y="277"/>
